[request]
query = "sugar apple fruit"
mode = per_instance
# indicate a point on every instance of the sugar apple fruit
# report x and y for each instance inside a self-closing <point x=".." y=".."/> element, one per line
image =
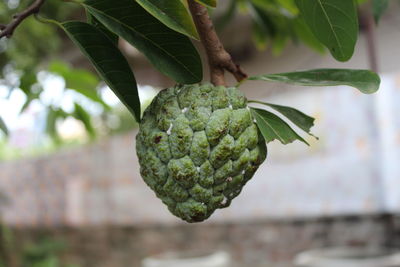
<point x="197" y="147"/>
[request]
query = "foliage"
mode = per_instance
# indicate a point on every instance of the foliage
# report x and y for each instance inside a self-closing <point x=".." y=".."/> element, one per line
<point x="379" y="7"/>
<point x="170" y="52"/>
<point x="334" y="24"/>
<point x="108" y="61"/>
<point x="161" y="31"/>
<point x="44" y="252"/>
<point x="364" y="80"/>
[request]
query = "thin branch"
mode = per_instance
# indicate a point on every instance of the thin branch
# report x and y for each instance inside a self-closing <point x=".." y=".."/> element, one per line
<point x="219" y="59"/>
<point x="7" y="30"/>
<point x="367" y="20"/>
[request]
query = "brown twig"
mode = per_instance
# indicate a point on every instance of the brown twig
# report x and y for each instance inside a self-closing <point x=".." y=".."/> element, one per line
<point x="7" y="30"/>
<point x="367" y="19"/>
<point x="219" y="59"/>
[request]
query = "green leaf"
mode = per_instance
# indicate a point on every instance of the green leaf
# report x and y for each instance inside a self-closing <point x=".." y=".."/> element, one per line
<point x="173" y="14"/>
<point x="81" y="114"/>
<point x="30" y="96"/>
<point x="79" y="80"/>
<point x="264" y="20"/>
<point x="304" y="33"/>
<point x="170" y="52"/>
<point x="260" y="39"/>
<point x="74" y="78"/>
<point x="92" y="20"/>
<point x="334" y="23"/>
<point x="289" y="5"/>
<point x="364" y="80"/>
<point x="108" y="61"/>
<point x="278" y="44"/>
<point x="222" y="21"/>
<point x="210" y="3"/>
<point x="379" y="6"/>
<point x="3" y="127"/>
<point x="297" y="117"/>
<point x="27" y="81"/>
<point x="51" y="124"/>
<point x="274" y="128"/>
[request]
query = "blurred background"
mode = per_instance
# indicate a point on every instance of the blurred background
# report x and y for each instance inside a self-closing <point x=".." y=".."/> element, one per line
<point x="71" y="193"/>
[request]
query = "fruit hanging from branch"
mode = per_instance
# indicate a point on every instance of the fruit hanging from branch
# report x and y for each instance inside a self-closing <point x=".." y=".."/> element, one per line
<point x="197" y="147"/>
<point x="199" y="144"/>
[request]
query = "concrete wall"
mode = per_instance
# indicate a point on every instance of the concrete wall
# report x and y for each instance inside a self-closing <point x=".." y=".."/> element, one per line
<point x="255" y="244"/>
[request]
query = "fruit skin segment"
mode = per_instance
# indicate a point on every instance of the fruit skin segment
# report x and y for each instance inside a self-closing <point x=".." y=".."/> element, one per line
<point x="198" y="145"/>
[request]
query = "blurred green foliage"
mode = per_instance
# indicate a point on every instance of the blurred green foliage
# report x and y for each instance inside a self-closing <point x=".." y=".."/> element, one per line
<point x="44" y="252"/>
<point x="35" y="46"/>
<point x="31" y="50"/>
<point x="274" y="23"/>
<point x="33" y="42"/>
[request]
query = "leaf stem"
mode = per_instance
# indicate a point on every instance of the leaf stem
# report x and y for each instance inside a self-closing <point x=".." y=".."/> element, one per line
<point x="219" y="59"/>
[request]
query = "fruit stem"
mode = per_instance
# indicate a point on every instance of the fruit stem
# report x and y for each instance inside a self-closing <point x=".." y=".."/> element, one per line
<point x="219" y="59"/>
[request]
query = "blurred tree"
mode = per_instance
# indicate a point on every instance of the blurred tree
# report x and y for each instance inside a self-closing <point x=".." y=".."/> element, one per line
<point x="35" y="45"/>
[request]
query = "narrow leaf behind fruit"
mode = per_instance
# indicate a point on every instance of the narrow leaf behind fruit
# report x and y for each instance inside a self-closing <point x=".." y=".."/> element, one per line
<point x="108" y="61"/>
<point x="274" y="128"/>
<point x="297" y="117"/>
<point x="3" y="127"/>
<point x="169" y="51"/>
<point x="364" y="80"/>
<point x="334" y="23"/>
<point x="173" y="14"/>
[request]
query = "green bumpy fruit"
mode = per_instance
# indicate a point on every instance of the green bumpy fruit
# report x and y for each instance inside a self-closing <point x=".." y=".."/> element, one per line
<point x="197" y="147"/>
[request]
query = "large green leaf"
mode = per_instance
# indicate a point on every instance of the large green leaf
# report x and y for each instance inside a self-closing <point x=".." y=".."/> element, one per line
<point x="172" y="13"/>
<point x="210" y="3"/>
<point x="300" y="119"/>
<point x="379" y="6"/>
<point x="3" y="127"/>
<point x="366" y="81"/>
<point x="334" y="23"/>
<point x="92" y="20"/>
<point x="108" y="61"/>
<point x="274" y="128"/>
<point x="170" y="52"/>
<point x="304" y="33"/>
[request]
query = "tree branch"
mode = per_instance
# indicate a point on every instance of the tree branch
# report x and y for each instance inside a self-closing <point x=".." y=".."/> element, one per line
<point x="7" y="30"/>
<point x="219" y="59"/>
